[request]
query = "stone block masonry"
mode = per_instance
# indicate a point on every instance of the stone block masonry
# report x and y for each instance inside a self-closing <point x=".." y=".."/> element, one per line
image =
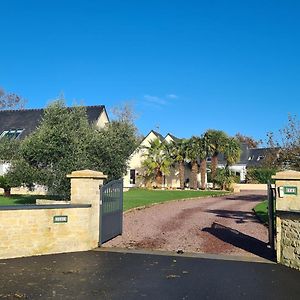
<point x="27" y="230"/>
<point x="288" y="218"/>
<point x="288" y="239"/>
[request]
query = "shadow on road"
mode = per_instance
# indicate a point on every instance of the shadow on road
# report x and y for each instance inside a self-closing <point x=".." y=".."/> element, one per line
<point x="240" y="240"/>
<point x="251" y="197"/>
<point x="239" y="216"/>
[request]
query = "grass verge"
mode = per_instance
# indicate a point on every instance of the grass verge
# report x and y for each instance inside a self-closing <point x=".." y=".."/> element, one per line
<point x="23" y="199"/>
<point x="143" y="197"/>
<point x="133" y="198"/>
<point x="261" y="211"/>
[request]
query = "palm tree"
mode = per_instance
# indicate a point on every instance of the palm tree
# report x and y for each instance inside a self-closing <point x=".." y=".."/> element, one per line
<point x="157" y="162"/>
<point x="196" y="152"/>
<point x="178" y="152"/>
<point x="203" y="154"/>
<point x="232" y="151"/>
<point x="216" y="143"/>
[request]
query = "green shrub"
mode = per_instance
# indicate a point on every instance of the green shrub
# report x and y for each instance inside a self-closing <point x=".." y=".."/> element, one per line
<point x="224" y="179"/>
<point x="260" y="175"/>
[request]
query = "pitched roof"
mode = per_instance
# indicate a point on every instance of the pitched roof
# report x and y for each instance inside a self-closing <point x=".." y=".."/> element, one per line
<point x="176" y="139"/>
<point x="252" y="157"/>
<point x="159" y="136"/>
<point x="29" y="119"/>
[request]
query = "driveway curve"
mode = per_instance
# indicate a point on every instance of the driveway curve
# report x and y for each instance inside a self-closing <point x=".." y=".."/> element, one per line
<point x="216" y="225"/>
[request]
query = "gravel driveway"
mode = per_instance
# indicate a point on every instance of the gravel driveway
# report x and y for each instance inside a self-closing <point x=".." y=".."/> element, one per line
<point x="217" y="225"/>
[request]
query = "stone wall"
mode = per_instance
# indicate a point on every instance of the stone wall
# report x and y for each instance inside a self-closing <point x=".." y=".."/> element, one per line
<point x="27" y="230"/>
<point x="30" y="230"/>
<point x="288" y="239"/>
<point x="237" y="187"/>
<point x="288" y="218"/>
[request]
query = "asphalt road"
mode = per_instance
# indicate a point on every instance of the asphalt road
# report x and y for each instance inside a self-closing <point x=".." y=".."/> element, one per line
<point x="109" y="275"/>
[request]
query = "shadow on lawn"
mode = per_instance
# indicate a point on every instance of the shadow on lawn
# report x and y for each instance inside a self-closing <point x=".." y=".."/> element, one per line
<point x="240" y="240"/>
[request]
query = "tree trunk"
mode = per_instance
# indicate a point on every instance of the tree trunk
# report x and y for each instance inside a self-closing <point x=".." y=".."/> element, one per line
<point x="7" y="192"/>
<point x="214" y="164"/>
<point x="194" y="182"/>
<point x="159" y="178"/>
<point x="181" y="174"/>
<point x="203" y="174"/>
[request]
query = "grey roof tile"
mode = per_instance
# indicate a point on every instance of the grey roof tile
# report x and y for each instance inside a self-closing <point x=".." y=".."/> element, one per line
<point x="29" y="119"/>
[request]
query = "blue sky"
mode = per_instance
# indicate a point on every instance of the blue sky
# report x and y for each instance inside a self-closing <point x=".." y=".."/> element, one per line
<point x="185" y="65"/>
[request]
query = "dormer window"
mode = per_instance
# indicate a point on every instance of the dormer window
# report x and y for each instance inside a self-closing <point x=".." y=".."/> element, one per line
<point x="11" y="134"/>
<point x="250" y="157"/>
<point x="260" y="157"/>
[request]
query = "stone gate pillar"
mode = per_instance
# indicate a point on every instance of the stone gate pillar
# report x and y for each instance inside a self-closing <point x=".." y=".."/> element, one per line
<point x="287" y="185"/>
<point x="85" y="190"/>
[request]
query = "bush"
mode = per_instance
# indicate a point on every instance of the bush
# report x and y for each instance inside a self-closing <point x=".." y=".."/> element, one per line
<point x="224" y="179"/>
<point x="4" y="184"/>
<point x="260" y="175"/>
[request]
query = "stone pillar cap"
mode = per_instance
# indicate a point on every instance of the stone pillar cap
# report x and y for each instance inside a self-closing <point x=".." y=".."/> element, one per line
<point x="289" y="175"/>
<point x="87" y="174"/>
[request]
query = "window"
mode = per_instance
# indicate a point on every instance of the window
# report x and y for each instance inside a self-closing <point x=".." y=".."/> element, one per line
<point x="132" y="176"/>
<point x="11" y="134"/>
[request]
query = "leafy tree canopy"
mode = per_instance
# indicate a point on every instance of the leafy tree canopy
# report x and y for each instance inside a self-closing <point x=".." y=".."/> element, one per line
<point x="285" y="154"/>
<point x="65" y="142"/>
<point x="249" y="140"/>
<point x="10" y="100"/>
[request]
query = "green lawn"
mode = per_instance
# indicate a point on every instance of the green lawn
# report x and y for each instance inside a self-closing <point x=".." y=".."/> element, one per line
<point x="261" y="211"/>
<point x="140" y="197"/>
<point x="132" y="198"/>
<point x="22" y="199"/>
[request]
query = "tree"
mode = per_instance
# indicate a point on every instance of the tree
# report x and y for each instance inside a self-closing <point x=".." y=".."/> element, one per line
<point x="11" y="100"/>
<point x="57" y="147"/>
<point x="249" y="140"/>
<point x="286" y="153"/>
<point x="197" y="152"/>
<point x="157" y="162"/>
<point x="204" y="153"/>
<point x="290" y="155"/>
<point x="5" y="185"/>
<point x="232" y="151"/>
<point x="110" y="147"/>
<point x="260" y="175"/>
<point x="9" y="152"/>
<point x="178" y="152"/>
<point x="216" y="142"/>
<point x="65" y="141"/>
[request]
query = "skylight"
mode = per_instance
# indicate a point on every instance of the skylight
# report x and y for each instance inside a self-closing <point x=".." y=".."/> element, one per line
<point x="260" y="157"/>
<point x="11" y="134"/>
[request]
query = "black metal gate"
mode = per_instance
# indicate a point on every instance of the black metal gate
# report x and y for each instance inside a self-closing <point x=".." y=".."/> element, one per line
<point x="111" y="210"/>
<point x="272" y="215"/>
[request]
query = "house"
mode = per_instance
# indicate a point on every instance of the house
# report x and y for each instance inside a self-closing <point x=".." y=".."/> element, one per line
<point x="133" y="177"/>
<point x="17" y="124"/>
<point x="250" y="157"/>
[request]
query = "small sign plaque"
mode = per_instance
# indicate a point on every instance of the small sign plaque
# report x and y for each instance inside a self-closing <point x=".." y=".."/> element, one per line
<point x="60" y="219"/>
<point x="290" y="190"/>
